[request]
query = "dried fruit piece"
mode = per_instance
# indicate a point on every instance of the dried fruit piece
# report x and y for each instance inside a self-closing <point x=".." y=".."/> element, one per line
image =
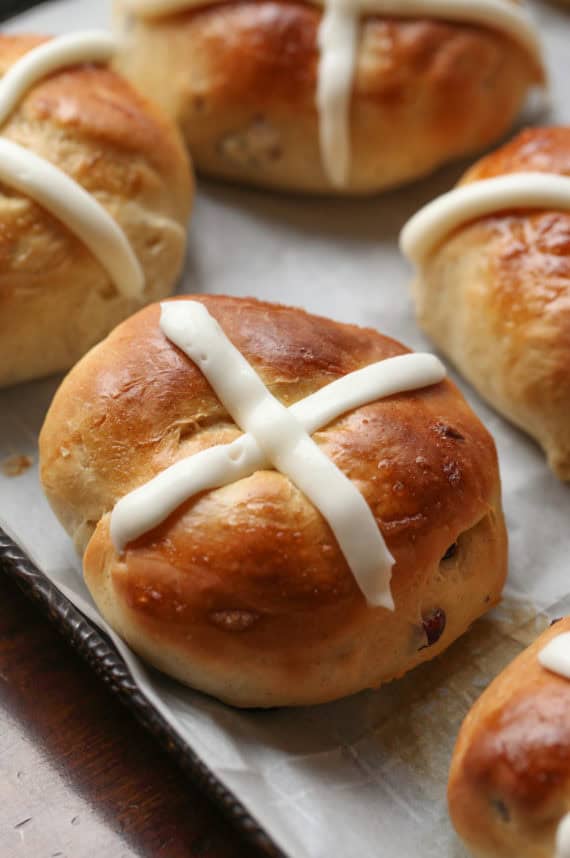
<point x="501" y="808"/>
<point x="434" y="626"/>
<point x="451" y="551"/>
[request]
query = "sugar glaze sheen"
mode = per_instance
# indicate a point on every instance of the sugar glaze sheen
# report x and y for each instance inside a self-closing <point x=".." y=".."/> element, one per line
<point x="97" y="196"/>
<point x="331" y="50"/>
<point x="23" y="170"/>
<point x="249" y="552"/>
<point x="275" y="435"/>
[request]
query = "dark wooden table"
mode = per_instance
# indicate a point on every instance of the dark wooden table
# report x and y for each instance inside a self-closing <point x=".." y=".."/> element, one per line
<point x="79" y="778"/>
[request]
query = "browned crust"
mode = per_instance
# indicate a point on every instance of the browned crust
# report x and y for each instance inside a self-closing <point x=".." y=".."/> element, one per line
<point x="543" y="150"/>
<point x="55" y="298"/>
<point x="240" y="78"/>
<point x="510" y="776"/>
<point x="495" y="296"/>
<point x="256" y="557"/>
<point x="92" y="104"/>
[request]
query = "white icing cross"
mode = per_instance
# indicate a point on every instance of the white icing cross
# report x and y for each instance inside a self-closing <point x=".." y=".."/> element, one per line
<point x="338" y="40"/>
<point x="279" y="437"/>
<point x="439" y="218"/>
<point x="49" y="186"/>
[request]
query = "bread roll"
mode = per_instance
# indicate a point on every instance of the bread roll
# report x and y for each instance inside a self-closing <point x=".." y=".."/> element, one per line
<point x="509" y="786"/>
<point x="243" y="590"/>
<point x="493" y="283"/>
<point x="95" y="192"/>
<point x="297" y="97"/>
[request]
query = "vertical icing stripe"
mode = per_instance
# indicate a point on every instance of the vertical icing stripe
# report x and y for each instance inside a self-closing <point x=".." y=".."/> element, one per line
<point x="435" y="221"/>
<point x="338" y="43"/>
<point x="81" y="213"/>
<point x="51" y="56"/>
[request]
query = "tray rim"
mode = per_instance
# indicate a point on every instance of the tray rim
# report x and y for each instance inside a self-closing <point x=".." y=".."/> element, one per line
<point x="99" y="652"/>
<point x="16" y="7"/>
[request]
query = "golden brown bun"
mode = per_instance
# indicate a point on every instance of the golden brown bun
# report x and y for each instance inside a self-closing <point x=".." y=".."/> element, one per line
<point x="56" y="300"/>
<point x="240" y="80"/>
<point x="243" y="592"/>
<point x="509" y="783"/>
<point x="495" y="298"/>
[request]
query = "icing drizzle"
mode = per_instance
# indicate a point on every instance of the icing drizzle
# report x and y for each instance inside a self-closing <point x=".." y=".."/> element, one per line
<point x="59" y="194"/>
<point x="49" y="57"/>
<point x="279" y="437"/>
<point x="338" y="43"/>
<point x="435" y="221"/>
<point x="563" y="838"/>
<point x="41" y="180"/>
<point x="555" y="656"/>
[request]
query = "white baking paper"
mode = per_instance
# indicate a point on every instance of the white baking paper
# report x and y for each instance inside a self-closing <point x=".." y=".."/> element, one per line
<point x="364" y="777"/>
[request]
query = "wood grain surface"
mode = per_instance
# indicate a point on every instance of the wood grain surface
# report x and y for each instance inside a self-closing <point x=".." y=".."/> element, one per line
<point x="79" y="778"/>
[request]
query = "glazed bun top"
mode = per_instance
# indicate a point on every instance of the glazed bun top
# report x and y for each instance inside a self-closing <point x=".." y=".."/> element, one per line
<point x="265" y="582"/>
<point x="316" y="97"/>
<point x="537" y="150"/>
<point x="91" y="125"/>
<point x="136" y="404"/>
<point x="509" y="786"/>
<point x="528" y="177"/>
<point x="91" y="105"/>
<point x="95" y="195"/>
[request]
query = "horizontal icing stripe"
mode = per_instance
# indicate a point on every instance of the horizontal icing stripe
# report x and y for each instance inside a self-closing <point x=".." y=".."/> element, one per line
<point x="83" y="215"/>
<point x="275" y="440"/>
<point x="435" y="221"/>
<point x="502" y="15"/>
<point x="389" y="377"/>
<point x="83" y="47"/>
<point x="151" y="504"/>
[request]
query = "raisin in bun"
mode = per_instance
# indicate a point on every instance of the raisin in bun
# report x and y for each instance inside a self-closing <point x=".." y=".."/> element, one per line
<point x="293" y="96"/>
<point x="242" y="590"/>
<point x="95" y="192"/>
<point x="493" y="283"/>
<point x="509" y="785"/>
